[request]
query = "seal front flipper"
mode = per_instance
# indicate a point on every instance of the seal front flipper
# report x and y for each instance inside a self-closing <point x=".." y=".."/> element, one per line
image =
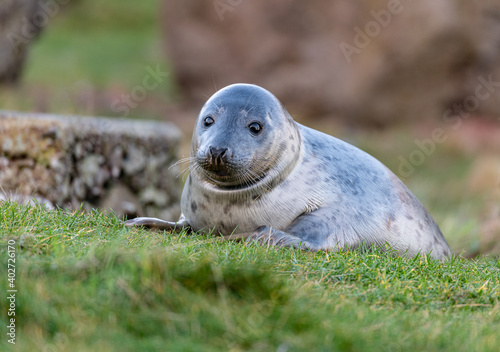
<point x="305" y="232"/>
<point x="158" y="223"/>
<point x="269" y="236"/>
<point x="317" y="230"/>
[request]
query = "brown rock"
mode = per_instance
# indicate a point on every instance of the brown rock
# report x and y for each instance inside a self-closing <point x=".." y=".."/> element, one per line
<point x="370" y="61"/>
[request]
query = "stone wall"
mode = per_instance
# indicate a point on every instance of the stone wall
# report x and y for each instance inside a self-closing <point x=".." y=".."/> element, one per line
<point x="124" y="165"/>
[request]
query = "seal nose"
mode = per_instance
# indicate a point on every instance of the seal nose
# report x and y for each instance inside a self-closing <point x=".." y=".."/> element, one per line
<point x="216" y="154"/>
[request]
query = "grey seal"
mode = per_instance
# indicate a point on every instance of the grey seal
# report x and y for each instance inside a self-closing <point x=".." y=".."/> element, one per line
<point x="255" y="172"/>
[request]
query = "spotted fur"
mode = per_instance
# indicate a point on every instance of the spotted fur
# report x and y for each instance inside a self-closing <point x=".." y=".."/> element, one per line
<point x="291" y="185"/>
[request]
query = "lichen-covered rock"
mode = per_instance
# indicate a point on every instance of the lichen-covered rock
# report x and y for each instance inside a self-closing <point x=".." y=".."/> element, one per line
<point x="123" y="165"/>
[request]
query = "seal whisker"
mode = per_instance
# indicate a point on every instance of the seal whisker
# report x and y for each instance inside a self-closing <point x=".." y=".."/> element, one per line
<point x="248" y="178"/>
<point x="186" y="171"/>
<point x="248" y="111"/>
<point x="192" y="167"/>
<point x="256" y="177"/>
<point x="248" y="100"/>
<point x="189" y="159"/>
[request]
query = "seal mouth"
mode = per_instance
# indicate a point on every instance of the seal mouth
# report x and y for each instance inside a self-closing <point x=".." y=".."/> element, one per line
<point x="232" y="182"/>
<point x="228" y="176"/>
<point x="221" y="173"/>
<point x="222" y="170"/>
<point x="248" y="174"/>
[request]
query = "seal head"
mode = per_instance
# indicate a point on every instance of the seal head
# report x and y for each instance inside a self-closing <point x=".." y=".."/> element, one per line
<point x="240" y="140"/>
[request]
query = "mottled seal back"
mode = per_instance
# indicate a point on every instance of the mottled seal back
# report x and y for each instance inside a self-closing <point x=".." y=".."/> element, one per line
<point x="256" y="172"/>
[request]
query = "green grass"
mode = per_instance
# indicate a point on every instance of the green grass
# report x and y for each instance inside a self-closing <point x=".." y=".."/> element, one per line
<point x="102" y="43"/>
<point x="91" y="53"/>
<point x="87" y="283"/>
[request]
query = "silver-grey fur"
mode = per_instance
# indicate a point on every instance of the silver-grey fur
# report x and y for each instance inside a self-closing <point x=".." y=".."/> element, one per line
<point x="291" y="185"/>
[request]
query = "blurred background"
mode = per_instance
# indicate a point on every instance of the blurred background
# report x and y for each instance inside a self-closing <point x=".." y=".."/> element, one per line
<point x="414" y="83"/>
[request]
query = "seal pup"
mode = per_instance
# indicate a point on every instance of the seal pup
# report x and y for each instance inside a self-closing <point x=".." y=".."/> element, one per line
<point x="255" y="172"/>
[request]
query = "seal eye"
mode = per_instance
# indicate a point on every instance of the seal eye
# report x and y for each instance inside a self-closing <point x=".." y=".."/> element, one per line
<point x="208" y="121"/>
<point x="255" y="128"/>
